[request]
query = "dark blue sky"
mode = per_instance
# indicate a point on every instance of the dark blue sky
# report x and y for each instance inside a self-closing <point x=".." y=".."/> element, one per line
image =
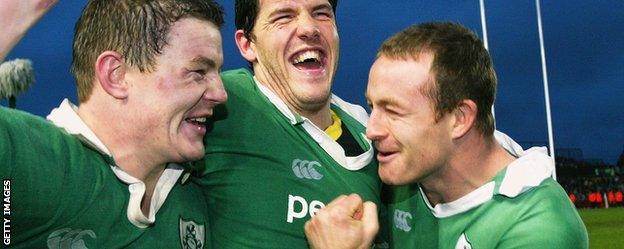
<point x="584" y="42"/>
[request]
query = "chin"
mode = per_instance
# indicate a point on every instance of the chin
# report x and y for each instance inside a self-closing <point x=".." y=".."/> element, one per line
<point x="388" y="177"/>
<point x="192" y="154"/>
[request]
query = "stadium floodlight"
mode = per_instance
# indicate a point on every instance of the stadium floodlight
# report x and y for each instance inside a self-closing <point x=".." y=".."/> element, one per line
<point x="16" y="76"/>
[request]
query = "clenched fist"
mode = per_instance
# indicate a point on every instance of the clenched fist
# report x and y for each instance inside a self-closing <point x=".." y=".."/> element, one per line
<point x="345" y="223"/>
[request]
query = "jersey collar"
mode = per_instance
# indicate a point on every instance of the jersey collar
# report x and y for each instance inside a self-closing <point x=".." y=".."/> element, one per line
<point x="325" y="141"/>
<point x="65" y="116"/>
<point x="530" y="169"/>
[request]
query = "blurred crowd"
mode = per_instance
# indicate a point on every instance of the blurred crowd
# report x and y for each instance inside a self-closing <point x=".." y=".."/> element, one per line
<point x="591" y="184"/>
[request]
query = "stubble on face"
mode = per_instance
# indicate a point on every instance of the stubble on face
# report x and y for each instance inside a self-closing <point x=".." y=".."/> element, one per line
<point x="284" y="32"/>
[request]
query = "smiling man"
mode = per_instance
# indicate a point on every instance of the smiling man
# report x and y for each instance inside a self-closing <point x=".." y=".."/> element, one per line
<point x="461" y="184"/>
<point x="110" y="173"/>
<point x="283" y="146"/>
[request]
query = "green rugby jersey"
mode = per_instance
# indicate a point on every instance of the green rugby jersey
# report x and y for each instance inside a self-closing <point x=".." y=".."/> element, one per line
<point x="522" y="207"/>
<point x="267" y="170"/>
<point x="65" y="194"/>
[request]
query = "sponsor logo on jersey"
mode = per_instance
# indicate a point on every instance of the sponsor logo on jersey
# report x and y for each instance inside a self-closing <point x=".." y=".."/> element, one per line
<point x="463" y="243"/>
<point x="192" y="235"/>
<point x="299" y="208"/>
<point x="69" y="238"/>
<point x="305" y="169"/>
<point x="402" y="220"/>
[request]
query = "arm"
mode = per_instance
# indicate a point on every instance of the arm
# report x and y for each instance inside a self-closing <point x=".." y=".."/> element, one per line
<point x="17" y="17"/>
<point x="345" y="223"/>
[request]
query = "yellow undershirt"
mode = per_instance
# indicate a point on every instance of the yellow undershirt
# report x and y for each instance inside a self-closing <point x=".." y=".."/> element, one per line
<point x="335" y="129"/>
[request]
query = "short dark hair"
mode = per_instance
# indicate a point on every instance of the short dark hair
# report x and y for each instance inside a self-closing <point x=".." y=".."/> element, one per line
<point x="137" y="29"/>
<point x="462" y="67"/>
<point x="247" y="13"/>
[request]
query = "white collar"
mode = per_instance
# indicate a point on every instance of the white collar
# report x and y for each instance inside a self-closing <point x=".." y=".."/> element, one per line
<point x="65" y="116"/>
<point x="530" y="169"/>
<point x="327" y="143"/>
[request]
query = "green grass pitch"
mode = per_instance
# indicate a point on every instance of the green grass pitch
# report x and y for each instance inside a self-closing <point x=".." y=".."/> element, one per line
<point x="604" y="226"/>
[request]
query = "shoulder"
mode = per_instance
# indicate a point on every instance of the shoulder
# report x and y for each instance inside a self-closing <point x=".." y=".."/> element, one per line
<point x="546" y="217"/>
<point x="11" y="118"/>
<point x="237" y="77"/>
<point x="22" y="128"/>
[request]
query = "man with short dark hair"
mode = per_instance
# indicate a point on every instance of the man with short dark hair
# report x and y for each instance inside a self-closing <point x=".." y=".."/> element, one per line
<point x="110" y="173"/>
<point x="283" y="145"/>
<point x="461" y="184"/>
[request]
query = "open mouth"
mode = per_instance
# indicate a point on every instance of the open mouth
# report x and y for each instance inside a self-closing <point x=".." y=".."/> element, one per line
<point x="199" y="121"/>
<point x="309" y="60"/>
<point x="386" y="156"/>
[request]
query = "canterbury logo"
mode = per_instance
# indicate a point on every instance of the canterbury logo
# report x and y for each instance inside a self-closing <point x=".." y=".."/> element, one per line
<point x="306" y="169"/>
<point x="402" y="219"/>
<point x="69" y="238"/>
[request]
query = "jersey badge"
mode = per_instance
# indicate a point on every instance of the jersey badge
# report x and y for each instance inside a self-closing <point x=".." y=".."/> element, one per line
<point x="192" y="235"/>
<point x="69" y="238"/>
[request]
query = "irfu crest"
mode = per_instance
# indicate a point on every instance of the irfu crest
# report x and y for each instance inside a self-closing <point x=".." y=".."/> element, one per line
<point x="192" y="235"/>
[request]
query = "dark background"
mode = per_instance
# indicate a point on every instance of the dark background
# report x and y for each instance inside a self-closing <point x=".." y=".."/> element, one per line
<point x="584" y="44"/>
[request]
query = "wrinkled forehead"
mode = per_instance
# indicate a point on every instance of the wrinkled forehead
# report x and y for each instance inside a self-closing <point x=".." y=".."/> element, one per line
<point x="272" y="5"/>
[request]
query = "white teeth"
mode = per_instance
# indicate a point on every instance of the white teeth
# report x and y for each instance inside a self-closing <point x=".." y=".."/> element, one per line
<point x="311" y="54"/>
<point x="199" y="120"/>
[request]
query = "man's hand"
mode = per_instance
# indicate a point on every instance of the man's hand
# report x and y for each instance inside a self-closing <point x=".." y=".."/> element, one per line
<point x="17" y="17"/>
<point x="345" y="223"/>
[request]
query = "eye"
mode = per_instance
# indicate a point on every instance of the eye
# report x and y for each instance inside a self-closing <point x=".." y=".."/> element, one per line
<point x="393" y="112"/>
<point x="198" y="74"/>
<point x="282" y="18"/>
<point x="200" y="71"/>
<point x="324" y="14"/>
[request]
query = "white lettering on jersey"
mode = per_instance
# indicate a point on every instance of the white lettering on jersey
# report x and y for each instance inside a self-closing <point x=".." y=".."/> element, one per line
<point x="401" y="220"/>
<point x="463" y="243"/>
<point x="303" y="208"/>
<point x="306" y="169"/>
<point x="69" y="238"/>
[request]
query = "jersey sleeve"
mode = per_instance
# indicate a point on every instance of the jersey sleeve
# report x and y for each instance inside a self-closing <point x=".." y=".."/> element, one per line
<point x="44" y="167"/>
<point x="551" y="221"/>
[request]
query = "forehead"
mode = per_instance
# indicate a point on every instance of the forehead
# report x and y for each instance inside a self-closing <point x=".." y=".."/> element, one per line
<point x="391" y="73"/>
<point x="271" y="5"/>
<point x="398" y="79"/>
<point x="196" y="38"/>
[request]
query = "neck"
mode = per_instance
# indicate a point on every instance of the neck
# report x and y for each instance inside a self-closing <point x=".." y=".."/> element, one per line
<point x="321" y="118"/>
<point x="475" y="161"/>
<point x="318" y="113"/>
<point x="125" y="148"/>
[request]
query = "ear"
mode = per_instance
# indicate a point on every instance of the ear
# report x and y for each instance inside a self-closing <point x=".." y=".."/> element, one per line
<point x="465" y="117"/>
<point x="110" y="71"/>
<point x="245" y="46"/>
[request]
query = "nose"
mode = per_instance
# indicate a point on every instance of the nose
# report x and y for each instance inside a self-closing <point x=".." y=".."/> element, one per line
<point x="375" y="129"/>
<point x="308" y="27"/>
<point x="216" y="92"/>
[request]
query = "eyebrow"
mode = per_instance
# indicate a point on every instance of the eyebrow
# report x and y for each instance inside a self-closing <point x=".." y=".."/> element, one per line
<point x="325" y="6"/>
<point x="389" y="101"/>
<point x="207" y="62"/>
<point x="289" y="9"/>
<point x="279" y="11"/>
